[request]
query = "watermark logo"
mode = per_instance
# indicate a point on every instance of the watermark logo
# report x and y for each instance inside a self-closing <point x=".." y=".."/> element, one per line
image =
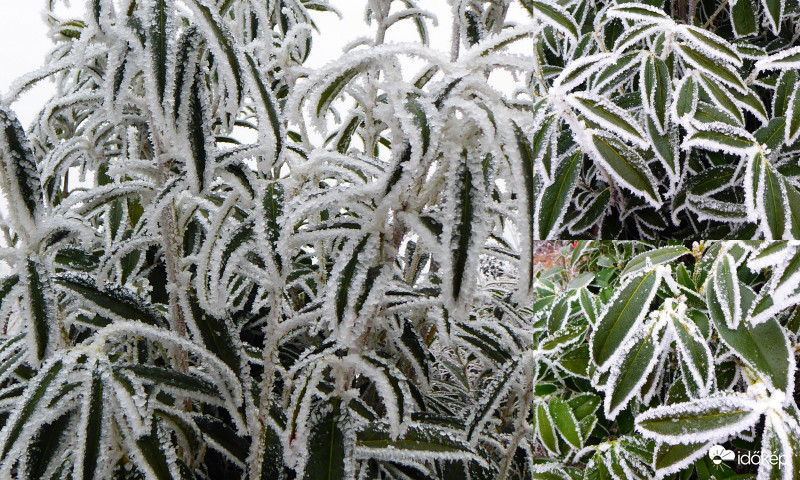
<point x="719" y="454"/>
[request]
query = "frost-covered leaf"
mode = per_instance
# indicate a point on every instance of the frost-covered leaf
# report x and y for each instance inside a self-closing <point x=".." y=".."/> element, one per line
<point x="763" y="347"/>
<point x="555" y="15"/>
<point x="728" y="291"/>
<point x="657" y="90"/>
<point x="555" y="199"/>
<point x="622" y="316"/>
<point x="631" y="368"/>
<point x="652" y="258"/>
<point x="326" y="448"/>
<point x="705" y="420"/>
<point x="626" y="166"/>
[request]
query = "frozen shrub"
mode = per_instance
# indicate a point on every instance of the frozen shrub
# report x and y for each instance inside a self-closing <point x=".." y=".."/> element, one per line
<point x="226" y="264"/>
<point x="675" y="119"/>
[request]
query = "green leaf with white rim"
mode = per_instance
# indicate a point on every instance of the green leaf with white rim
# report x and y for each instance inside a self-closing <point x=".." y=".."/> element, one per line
<point x="656" y="92"/>
<point x="556" y="16"/>
<point x="793" y="202"/>
<point x="563" y="337"/>
<point x="635" y="365"/>
<point x="787" y="84"/>
<point x="46" y="379"/>
<point x="489" y="402"/>
<point x="421" y="441"/>
<point x="703" y="420"/>
<point x="40" y="308"/>
<point x="223" y="45"/>
<point x="744" y="18"/>
<point x="114" y="300"/>
<point x="326" y="445"/>
<point x="20" y="173"/>
<point x="623" y="315"/>
<point x="89" y="451"/>
<point x="672" y="458"/>
<point x="602" y="111"/>
<point x="546" y="429"/>
<point x="694" y="353"/>
<point x="716" y="138"/>
<point x="555" y="199"/>
<point x="565" y="421"/>
<point x="792" y="131"/>
<point x="772" y="202"/>
<point x="774" y="12"/>
<point x="588" y="305"/>
<point x="559" y="314"/>
<point x="592" y="213"/>
<point x="654" y="257"/>
<point x="626" y="166"/>
<point x="763" y="347"/>
<point x="580" y="281"/>
<point x="717" y="70"/>
<point x="728" y="290"/>
<point x="712" y="43"/>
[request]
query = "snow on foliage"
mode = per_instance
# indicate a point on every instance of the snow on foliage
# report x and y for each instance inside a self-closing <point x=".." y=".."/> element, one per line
<point x="224" y="263"/>
<point x="677" y="372"/>
<point x="670" y="104"/>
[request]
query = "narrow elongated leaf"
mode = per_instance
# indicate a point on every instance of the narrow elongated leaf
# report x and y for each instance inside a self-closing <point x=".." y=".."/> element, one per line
<point x="463" y="237"/>
<point x="489" y="402"/>
<point x="198" y="132"/>
<point x="267" y="105"/>
<point x="35" y="392"/>
<point x="546" y="429"/>
<point x="623" y="315"/>
<point x="634" y="367"/>
<point x="46" y="445"/>
<point x="326" y="450"/>
<point x="555" y="16"/>
<point x="763" y="347"/>
<point x="41" y="308"/>
<point x="715" y="69"/>
<point x="695" y="355"/>
<point x="707" y="419"/>
<point x="626" y="167"/>
<point x="656" y="92"/>
<point x="526" y="205"/>
<point x="728" y="291"/>
<point x="158" y="44"/>
<point x="555" y="199"/>
<point x="638" y="12"/>
<point x="792" y="131"/>
<point x="592" y="213"/>
<point x="774" y="11"/>
<point x="565" y="421"/>
<point x="115" y="301"/>
<point x="608" y="115"/>
<point x="91" y="430"/>
<point x="223" y="45"/>
<point x="152" y="458"/>
<point x="19" y="175"/>
<point x="421" y="441"/>
<point x="654" y="257"/>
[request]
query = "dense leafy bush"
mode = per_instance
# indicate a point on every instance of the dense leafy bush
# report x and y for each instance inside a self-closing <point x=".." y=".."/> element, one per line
<point x="648" y="357"/>
<point x="224" y="264"/>
<point x="676" y="119"/>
